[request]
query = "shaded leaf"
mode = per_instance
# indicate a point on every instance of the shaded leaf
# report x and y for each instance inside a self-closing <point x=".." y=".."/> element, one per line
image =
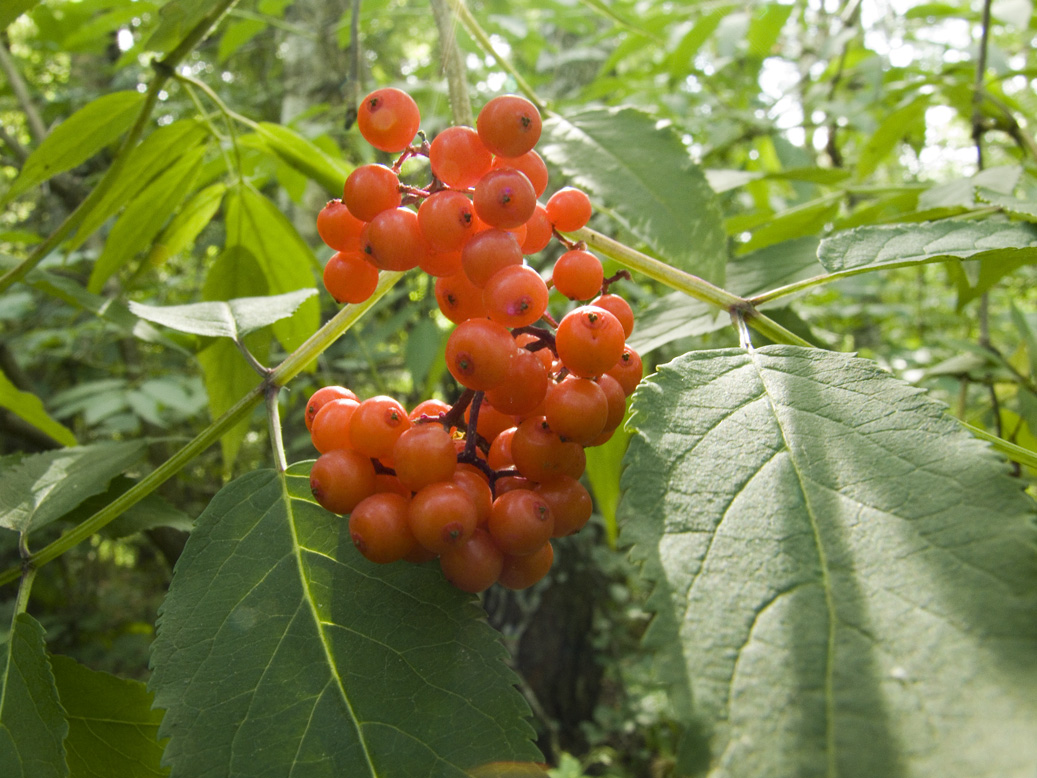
<point x="46" y="486"/>
<point x="281" y="649"/>
<point x="831" y="548"/>
<point x="604" y="466"/>
<point x="111" y="727"/>
<point x="32" y="723"/>
<point x="646" y="179"/>
<point x="218" y="319"/>
<point x="899" y="245"/>
<point x="138" y="225"/>
<point x="29" y="408"/>
<point x="150" y="512"/>
<point x="78" y="138"/>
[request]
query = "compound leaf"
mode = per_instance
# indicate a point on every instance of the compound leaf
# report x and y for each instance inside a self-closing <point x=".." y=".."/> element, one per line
<point x="850" y="577"/>
<point x="32" y="723"/>
<point x="281" y="650"/>
<point x="224" y="319"/>
<point x="645" y="178"/>
<point x="111" y="727"/>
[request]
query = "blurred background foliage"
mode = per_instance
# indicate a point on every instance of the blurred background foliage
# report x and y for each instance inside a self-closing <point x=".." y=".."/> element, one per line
<point x="808" y="117"/>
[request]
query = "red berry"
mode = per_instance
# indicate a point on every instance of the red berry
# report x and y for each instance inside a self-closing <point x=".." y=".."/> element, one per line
<point x="378" y="527"/>
<point x="339" y="228"/>
<point x="447" y="220"/>
<point x="479" y="352"/>
<point x="388" y="119"/>
<point x="330" y="427"/>
<point x="458" y="157"/>
<point x="475" y="565"/>
<point x="340" y="479"/>
<point x="524" y="571"/>
<point x="423" y="455"/>
<point x="349" y="277"/>
<point x="459" y="299"/>
<point x="442" y="516"/>
<point x="393" y="240"/>
<point x="578" y="275"/>
<point x="324" y="395"/>
<point x="509" y="125"/>
<point x="504" y="198"/>
<point x="569" y="209"/>
<point x="488" y="252"/>
<point x="529" y="163"/>
<point x="376" y="425"/>
<point x="371" y="189"/>
<point x="589" y="341"/>
<point x="515" y="296"/>
<point x="520" y="522"/>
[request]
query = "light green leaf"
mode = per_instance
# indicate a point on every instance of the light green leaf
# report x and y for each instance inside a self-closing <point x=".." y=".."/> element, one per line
<point x="644" y="176"/>
<point x="178" y="18"/>
<point x="13" y="9"/>
<point x="304" y="156"/>
<point x="32" y="723"/>
<point x="181" y="232"/>
<point x="910" y="119"/>
<point x="281" y="650"/>
<point x="1025" y="209"/>
<point x="78" y="138"/>
<point x="881" y="247"/>
<point x="112" y="728"/>
<point x="162" y="148"/>
<point x="769" y="229"/>
<point x="850" y="576"/>
<point x="138" y="225"/>
<point x="231" y="319"/>
<point x="962" y="192"/>
<point x="46" y="486"/>
<point x="604" y="466"/>
<point x="285" y="261"/>
<point x="765" y="27"/>
<point x="29" y="408"/>
<point x="236" y="34"/>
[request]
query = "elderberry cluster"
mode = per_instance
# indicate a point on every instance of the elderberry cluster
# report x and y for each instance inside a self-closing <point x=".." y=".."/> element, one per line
<point x="486" y="483"/>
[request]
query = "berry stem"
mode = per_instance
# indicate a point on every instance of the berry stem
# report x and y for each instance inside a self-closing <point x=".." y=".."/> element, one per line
<point x="455" y="416"/>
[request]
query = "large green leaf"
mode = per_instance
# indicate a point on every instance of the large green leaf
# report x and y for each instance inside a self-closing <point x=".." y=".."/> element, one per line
<point x="32" y="723"/>
<point x="138" y="225"/>
<point x="177" y="19"/>
<point x="44" y="487"/>
<point x="899" y="245"/>
<point x="643" y="175"/>
<point x="230" y="319"/>
<point x="29" y="408"/>
<point x="850" y="577"/>
<point x="12" y="9"/>
<point x="193" y="217"/>
<point x="286" y="262"/>
<point x="304" y="156"/>
<point x="112" y="728"/>
<point x="281" y="650"/>
<point x="78" y="138"/>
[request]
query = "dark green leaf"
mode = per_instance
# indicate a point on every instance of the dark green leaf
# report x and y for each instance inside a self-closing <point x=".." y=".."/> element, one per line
<point x="44" y="487"/>
<point x="281" y="650"/>
<point x="642" y="175"/>
<point x="112" y="728"/>
<point x="13" y="9"/>
<point x="231" y="319"/>
<point x="152" y="511"/>
<point x="29" y="408"/>
<point x="138" y="225"/>
<point x="851" y="577"/>
<point x="899" y="245"/>
<point x="32" y="723"/>
<point x="285" y="261"/>
<point x="304" y="156"/>
<point x="78" y="138"/>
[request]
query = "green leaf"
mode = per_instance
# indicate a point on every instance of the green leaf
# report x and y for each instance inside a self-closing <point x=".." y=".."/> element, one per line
<point x="676" y="315"/>
<point x="874" y="248"/>
<point x="231" y="319"/>
<point x="181" y="232"/>
<point x="281" y="650"/>
<point x="111" y="727"/>
<point x="162" y="148"/>
<point x="153" y="511"/>
<point x="644" y="177"/>
<point x="850" y="576"/>
<point x="236" y="34"/>
<point x="910" y="119"/>
<point x="178" y="18"/>
<point x="32" y="723"/>
<point x="802" y="220"/>
<point x="1024" y="209"/>
<point x="44" y="487"/>
<point x="604" y="466"/>
<point x="78" y="138"/>
<point x="29" y="408"/>
<point x="138" y="225"/>
<point x="285" y="261"/>
<point x="13" y="9"/>
<point x="304" y="156"/>
<point x="765" y="28"/>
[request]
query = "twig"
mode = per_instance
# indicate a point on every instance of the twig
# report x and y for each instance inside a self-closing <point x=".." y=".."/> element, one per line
<point x="21" y="92"/>
<point x="453" y="64"/>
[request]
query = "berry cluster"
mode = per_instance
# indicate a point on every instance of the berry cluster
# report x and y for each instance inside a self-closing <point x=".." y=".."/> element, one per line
<point x="486" y="483"/>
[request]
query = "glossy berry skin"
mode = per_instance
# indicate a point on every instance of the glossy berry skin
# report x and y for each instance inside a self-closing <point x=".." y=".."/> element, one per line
<point x="531" y="164"/>
<point x="499" y="456"/>
<point x="538" y="451"/>
<point x="459" y="299"/>
<point x="447" y="220"/>
<point x="478" y="353"/>
<point x="576" y="409"/>
<point x="349" y="277"/>
<point x="504" y="198"/>
<point x="520" y="522"/>
<point x="524" y="388"/>
<point x="475" y="484"/>
<point x="489" y="252"/>
<point x="393" y="240"/>
<point x="388" y="119"/>
<point x="423" y="455"/>
<point x="524" y="571"/>
<point x="324" y="395"/>
<point x="509" y="125"/>
<point x="458" y="157"/>
<point x="578" y="275"/>
<point x="628" y="370"/>
<point x="330" y="427"/>
<point x="619" y="308"/>
<point x="442" y="516"/>
<point x="340" y="479"/>
<point x="371" y="189"/>
<point x="377" y="424"/>
<point x="538" y="232"/>
<point x="515" y="296"/>
<point x="589" y="341"/>
<point x="617" y="401"/>
<point x="570" y="503"/>
<point x="569" y="209"/>
<point x="338" y="228"/>
<point x="378" y="527"/>
<point x="474" y="566"/>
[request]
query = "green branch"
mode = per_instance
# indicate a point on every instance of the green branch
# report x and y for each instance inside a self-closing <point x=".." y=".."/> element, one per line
<point x="294" y="364"/>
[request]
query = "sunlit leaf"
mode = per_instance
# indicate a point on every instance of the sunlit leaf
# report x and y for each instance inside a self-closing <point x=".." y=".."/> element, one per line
<point x="281" y="650"/>
<point x="29" y="408"/>
<point x="13" y="9"/>
<point x="850" y="576"/>
<point x="233" y="318"/>
<point x="305" y="156"/>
